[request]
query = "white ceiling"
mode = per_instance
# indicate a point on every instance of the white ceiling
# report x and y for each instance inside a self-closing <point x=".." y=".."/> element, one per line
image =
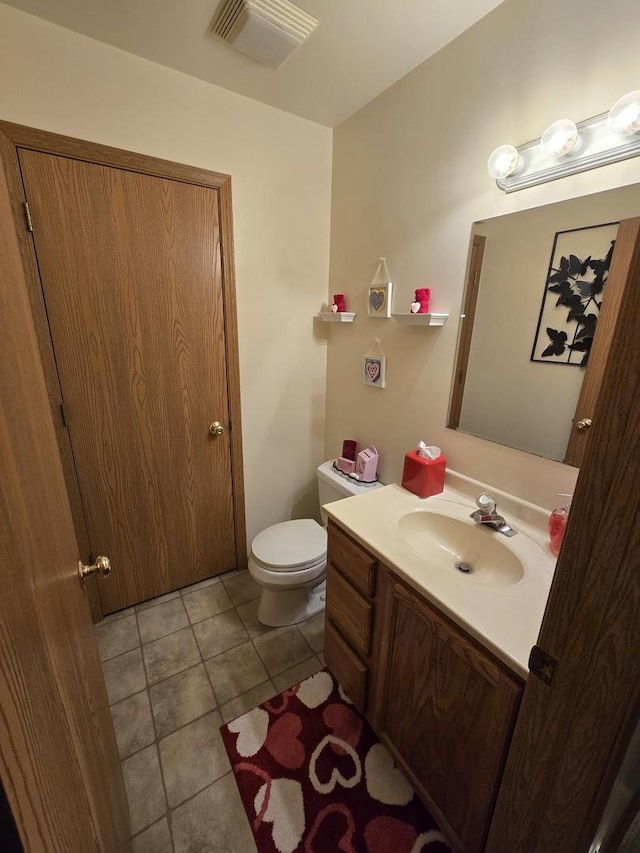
<point x="360" y="48"/>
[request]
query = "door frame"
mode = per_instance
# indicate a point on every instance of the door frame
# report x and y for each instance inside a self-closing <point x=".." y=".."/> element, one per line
<point x="14" y="137"/>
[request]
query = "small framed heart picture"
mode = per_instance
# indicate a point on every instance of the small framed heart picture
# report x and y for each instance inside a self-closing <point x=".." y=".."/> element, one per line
<point x="374" y="369"/>
<point x="379" y="303"/>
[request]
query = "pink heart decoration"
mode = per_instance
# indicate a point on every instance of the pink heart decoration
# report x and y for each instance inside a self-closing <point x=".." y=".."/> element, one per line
<point x="415" y="307"/>
<point x="345" y="845"/>
<point x="283" y="744"/>
<point x="344" y="724"/>
<point x="387" y="833"/>
<point x="373" y="370"/>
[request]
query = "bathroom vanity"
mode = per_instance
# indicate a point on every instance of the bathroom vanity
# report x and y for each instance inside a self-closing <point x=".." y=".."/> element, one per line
<point x="411" y="643"/>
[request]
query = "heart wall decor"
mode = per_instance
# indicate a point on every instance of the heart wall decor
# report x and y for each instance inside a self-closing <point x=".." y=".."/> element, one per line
<point x="379" y="302"/>
<point x="374" y="370"/>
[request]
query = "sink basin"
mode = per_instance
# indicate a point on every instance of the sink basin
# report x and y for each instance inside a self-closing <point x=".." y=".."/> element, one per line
<point x="461" y="547"/>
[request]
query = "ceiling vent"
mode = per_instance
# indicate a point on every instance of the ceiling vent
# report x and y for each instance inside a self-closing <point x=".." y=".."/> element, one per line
<point x="265" y="30"/>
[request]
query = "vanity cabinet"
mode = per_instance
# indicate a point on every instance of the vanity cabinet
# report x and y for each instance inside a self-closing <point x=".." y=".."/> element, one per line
<point x="350" y="611"/>
<point x="443" y="705"/>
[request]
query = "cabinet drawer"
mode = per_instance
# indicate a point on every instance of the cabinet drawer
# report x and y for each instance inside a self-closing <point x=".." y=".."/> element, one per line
<point x="345" y="665"/>
<point x="353" y="561"/>
<point x="349" y="611"/>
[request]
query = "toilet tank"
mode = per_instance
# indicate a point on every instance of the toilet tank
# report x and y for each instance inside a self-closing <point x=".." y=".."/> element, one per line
<point x="333" y="486"/>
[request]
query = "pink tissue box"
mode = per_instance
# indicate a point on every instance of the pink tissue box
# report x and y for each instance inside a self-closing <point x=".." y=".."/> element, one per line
<point x="367" y="464"/>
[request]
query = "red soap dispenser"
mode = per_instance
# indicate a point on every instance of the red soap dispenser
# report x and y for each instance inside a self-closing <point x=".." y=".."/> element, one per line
<point x="558" y="524"/>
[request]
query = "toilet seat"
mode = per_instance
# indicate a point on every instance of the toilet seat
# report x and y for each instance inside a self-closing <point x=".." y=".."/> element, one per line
<point x="292" y="547"/>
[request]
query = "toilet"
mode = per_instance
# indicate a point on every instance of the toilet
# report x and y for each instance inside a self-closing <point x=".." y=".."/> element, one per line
<point x="289" y="560"/>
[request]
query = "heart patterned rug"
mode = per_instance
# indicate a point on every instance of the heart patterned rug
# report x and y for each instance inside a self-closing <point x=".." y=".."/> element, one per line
<point x="314" y="778"/>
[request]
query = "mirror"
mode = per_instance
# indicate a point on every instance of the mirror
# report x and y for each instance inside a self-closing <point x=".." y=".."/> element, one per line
<point x="506" y="389"/>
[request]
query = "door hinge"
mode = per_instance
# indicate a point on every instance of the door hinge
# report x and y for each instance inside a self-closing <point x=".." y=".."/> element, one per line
<point x="63" y="415"/>
<point x="542" y="664"/>
<point x="27" y="216"/>
<point x="475" y="278"/>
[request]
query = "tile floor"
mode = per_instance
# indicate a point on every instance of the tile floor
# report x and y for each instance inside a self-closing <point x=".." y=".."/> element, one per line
<point x="177" y="667"/>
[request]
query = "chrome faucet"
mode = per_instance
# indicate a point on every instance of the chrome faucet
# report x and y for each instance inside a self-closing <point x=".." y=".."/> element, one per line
<point x="487" y="514"/>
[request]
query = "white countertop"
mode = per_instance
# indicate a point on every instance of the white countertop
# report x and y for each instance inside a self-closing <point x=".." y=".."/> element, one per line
<point x="506" y="619"/>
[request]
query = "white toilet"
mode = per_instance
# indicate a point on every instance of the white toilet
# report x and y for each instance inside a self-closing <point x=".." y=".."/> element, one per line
<point x="289" y="560"/>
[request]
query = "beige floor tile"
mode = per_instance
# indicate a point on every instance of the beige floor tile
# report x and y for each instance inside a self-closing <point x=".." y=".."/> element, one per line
<point x="297" y="673"/>
<point x="171" y="654"/>
<point x="124" y="675"/>
<point x="117" y="637"/>
<point x="132" y="723"/>
<point x="246" y="701"/>
<point x="181" y="699"/>
<point x="242" y="588"/>
<point x="282" y="648"/>
<point x="160" y="599"/>
<point x="248" y="613"/>
<point x="214" y="820"/>
<point x="143" y="784"/>
<point x="207" y="602"/>
<point x="313" y="631"/>
<point x="235" y="671"/>
<point x="192" y="758"/>
<point x="156" y="622"/>
<point x="220" y="633"/>
<point x="156" y="839"/>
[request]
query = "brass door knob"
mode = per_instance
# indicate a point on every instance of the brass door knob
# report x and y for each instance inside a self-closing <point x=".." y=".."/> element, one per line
<point x="216" y="428"/>
<point x="101" y="567"/>
<point x="583" y="424"/>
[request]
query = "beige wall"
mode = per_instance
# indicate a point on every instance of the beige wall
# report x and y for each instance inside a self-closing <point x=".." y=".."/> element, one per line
<point x="507" y="397"/>
<point x="280" y="165"/>
<point x="409" y="179"/>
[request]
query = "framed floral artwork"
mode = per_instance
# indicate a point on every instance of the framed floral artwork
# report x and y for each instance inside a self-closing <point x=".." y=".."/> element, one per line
<point x="374" y="370"/>
<point x="379" y="302"/>
<point x="575" y="285"/>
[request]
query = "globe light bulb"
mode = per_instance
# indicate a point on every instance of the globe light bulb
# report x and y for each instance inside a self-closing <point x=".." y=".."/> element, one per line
<point x="560" y="138"/>
<point x="503" y="161"/>
<point x="624" y="116"/>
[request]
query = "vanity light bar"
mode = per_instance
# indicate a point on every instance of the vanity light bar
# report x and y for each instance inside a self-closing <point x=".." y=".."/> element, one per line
<point x="597" y="141"/>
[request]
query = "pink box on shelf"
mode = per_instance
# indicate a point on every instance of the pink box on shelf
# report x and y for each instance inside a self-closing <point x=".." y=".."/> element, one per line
<point x="367" y="464"/>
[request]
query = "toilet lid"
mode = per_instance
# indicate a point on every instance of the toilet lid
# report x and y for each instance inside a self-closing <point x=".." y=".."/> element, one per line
<point x="290" y="545"/>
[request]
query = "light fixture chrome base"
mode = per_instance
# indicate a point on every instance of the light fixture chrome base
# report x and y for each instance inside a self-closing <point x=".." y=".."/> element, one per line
<point x="599" y="147"/>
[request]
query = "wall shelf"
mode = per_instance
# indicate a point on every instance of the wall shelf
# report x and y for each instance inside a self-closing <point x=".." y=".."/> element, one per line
<point x="420" y="319"/>
<point x="338" y="317"/>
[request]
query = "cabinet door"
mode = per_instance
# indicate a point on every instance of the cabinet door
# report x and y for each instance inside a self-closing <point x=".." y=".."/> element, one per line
<point x="448" y="714"/>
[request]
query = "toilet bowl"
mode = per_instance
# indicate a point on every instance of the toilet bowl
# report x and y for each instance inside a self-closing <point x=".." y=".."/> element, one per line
<point x="289" y="560"/>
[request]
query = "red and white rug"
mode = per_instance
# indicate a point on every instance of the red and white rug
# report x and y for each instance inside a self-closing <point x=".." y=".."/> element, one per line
<point x="314" y="778"/>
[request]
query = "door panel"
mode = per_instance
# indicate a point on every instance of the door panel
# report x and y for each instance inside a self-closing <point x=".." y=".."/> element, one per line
<point x="131" y="274"/>
<point x="58" y="758"/>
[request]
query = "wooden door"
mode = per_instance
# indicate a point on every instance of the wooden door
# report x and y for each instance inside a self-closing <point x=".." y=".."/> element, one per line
<point x="58" y="760"/>
<point x="448" y="712"/>
<point x="130" y="267"/>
